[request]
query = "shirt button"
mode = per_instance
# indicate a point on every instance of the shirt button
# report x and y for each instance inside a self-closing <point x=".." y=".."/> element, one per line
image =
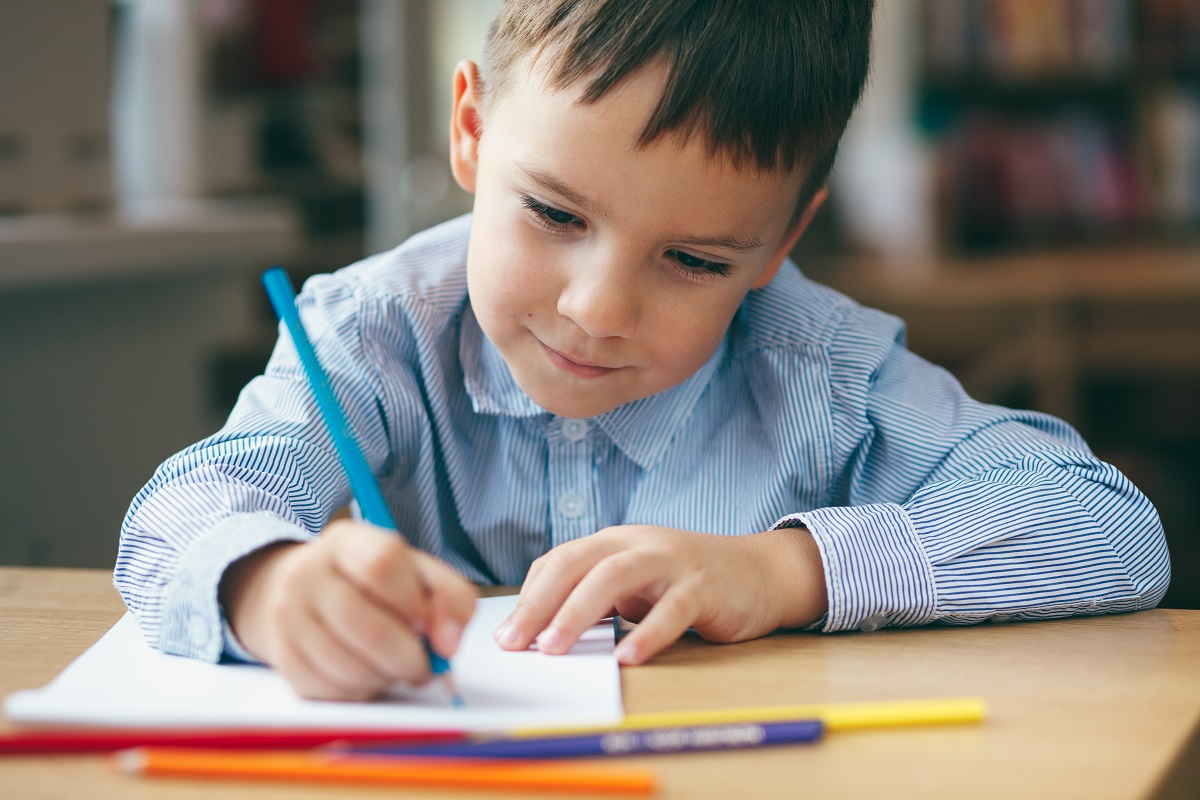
<point x="873" y="623"/>
<point x="571" y="504"/>
<point x="574" y="429"/>
<point x="198" y="631"/>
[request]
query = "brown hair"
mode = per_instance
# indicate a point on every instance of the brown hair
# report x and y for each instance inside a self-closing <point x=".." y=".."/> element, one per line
<point x="769" y="83"/>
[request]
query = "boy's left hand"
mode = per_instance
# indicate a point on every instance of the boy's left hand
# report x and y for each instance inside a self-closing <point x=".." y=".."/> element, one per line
<point x="729" y="588"/>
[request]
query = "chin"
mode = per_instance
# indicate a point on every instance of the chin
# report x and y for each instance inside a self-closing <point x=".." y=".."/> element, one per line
<point x="578" y="407"/>
<point x="575" y="409"/>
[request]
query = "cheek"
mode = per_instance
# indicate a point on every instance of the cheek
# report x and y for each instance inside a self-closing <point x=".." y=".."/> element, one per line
<point x="686" y="334"/>
<point x="508" y="276"/>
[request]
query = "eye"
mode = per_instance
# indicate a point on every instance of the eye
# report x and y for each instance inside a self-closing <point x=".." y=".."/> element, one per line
<point x="551" y="217"/>
<point x="695" y="267"/>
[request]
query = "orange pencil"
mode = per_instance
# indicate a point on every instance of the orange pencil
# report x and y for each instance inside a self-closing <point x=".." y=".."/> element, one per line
<point x="335" y="768"/>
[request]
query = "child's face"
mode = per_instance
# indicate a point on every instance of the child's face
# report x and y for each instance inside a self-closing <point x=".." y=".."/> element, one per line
<point x="602" y="271"/>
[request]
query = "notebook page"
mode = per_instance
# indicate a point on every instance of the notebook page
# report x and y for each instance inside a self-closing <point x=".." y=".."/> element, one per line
<point x="122" y="681"/>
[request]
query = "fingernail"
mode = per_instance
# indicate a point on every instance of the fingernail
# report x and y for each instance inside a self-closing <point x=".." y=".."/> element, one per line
<point x="626" y="653"/>
<point x="449" y="633"/>
<point x="550" y="640"/>
<point x="506" y="634"/>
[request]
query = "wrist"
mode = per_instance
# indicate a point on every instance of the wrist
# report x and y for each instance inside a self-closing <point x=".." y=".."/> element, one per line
<point x="242" y="589"/>
<point x="795" y="575"/>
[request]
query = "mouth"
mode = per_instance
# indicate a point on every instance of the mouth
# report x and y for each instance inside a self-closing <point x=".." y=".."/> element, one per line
<point x="579" y="369"/>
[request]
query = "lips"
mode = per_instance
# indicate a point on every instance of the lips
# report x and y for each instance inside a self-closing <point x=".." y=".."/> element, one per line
<point x="579" y="369"/>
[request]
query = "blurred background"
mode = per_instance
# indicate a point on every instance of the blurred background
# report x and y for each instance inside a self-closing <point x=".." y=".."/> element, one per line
<point x="1021" y="184"/>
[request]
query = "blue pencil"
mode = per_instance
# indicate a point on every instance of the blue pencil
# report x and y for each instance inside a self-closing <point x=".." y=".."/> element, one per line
<point x="616" y="743"/>
<point x="362" y="482"/>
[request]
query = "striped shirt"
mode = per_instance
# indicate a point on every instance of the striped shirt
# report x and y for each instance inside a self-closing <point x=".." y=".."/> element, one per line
<point x="926" y="505"/>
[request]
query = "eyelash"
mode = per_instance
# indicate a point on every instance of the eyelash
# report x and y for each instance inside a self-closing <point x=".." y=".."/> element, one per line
<point x="701" y="268"/>
<point x="545" y="215"/>
<point x="688" y="265"/>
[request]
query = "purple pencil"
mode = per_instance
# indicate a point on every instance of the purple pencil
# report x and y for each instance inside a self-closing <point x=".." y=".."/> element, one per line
<point x="618" y="743"/>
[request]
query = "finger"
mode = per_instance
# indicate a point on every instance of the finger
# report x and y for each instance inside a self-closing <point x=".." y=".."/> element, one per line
<point x="380" y="563"/>
<point x="342" y="675"/>
<point x="544" y="591"/>
<point x="617" y="576"/>
<point x="673" y="614"/>
<point x="304" y="678"/>
<point x="371" y="632"/>
<point x="532" y="575"/>
<point x="634" y="608"/>
<point x="451" y="602"/>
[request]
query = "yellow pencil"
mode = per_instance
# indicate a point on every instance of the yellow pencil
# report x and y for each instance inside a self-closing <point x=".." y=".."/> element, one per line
<point x="325" y="767"/>
<point x="835" y="716"/>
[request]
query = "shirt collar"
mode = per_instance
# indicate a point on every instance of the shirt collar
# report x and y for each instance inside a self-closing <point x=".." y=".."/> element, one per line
<point x="489" y="383"/>
<point x="642" y="429"/>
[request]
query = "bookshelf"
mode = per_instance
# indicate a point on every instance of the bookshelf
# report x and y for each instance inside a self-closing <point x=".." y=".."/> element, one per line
<point x="1060" y="123"/>
<point x="281" y="116"/>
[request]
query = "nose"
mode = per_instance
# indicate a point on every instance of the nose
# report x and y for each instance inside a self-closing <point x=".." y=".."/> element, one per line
<point x="602" y="296"/>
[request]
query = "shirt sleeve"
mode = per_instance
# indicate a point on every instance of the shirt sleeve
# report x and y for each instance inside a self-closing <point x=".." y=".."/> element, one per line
<point x="956" y="511"/>
<point x="270" y="474"/>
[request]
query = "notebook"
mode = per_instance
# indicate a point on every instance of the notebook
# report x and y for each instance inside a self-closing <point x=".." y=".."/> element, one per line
<point x="122" y="681"/>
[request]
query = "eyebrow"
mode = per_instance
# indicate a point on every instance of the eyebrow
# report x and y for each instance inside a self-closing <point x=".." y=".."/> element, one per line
<point x="548" y="181"/>
<point x="741" y="244"/>
<point x="735" y="242"/>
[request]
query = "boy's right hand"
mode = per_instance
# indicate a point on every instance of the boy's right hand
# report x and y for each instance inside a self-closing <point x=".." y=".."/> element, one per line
<point x="341" y="617"/>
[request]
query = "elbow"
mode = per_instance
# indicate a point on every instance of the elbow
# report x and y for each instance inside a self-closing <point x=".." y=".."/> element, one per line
<point x="1134" y="532"/>
<point x="1155" y="586"/>
<point x="123" y="581"/>
<point x="1143" y="545"/>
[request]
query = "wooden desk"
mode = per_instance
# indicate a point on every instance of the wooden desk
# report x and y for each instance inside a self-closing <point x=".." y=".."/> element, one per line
<point x="1087" y="708"/>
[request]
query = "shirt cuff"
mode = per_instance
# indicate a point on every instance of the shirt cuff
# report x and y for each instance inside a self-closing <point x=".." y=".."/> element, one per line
<point x="193" y="624"/>
<point x="876" y="572"/>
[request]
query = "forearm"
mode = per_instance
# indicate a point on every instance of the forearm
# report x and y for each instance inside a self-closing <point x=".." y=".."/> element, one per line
<point x="269" y="475"/>
<point x="203" y="510"/>
<point x="1047" y="536"/>
<point x="956" y="511"/>
<point x="172" y="587"/>
<point x="1053" y="534"/>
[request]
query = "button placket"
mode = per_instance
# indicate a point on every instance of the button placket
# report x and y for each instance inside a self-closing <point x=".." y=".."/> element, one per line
<point x="571" y="505"/>
<point x="575" y="430"/>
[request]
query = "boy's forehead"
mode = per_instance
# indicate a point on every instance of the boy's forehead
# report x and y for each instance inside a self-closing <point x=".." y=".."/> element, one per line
<point x="533" y="81"/>
<point x="589" y="155"/>
<point x="535" y="75"/>
<point x="532" y="100"/>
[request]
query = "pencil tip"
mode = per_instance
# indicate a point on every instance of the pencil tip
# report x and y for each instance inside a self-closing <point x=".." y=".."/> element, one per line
<point x="448" y="684"/>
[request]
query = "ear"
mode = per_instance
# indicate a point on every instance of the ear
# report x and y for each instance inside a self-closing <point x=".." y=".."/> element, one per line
<point x="466" y="125"/>
<point x="789" y="241"/>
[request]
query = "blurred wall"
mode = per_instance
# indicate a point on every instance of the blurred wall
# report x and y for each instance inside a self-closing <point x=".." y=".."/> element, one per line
<point x="1021" y="184"/>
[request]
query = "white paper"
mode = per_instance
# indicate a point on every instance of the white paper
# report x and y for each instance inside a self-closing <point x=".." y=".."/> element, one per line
<point x="122" y="681"/>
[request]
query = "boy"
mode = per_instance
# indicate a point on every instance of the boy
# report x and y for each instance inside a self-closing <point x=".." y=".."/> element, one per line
<point x="608" y="384"/>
